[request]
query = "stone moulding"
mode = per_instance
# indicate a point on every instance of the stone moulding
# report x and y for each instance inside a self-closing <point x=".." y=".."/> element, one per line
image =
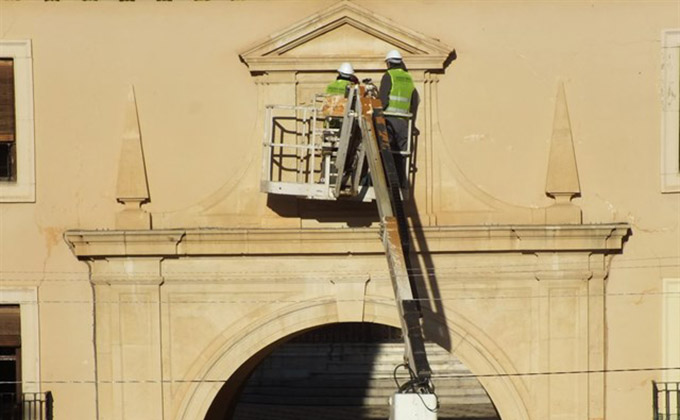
<point x="598" y="238"/>
<point x="272" y="54"/>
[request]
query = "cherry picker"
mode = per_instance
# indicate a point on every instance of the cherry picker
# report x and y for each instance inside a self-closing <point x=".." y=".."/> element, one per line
<point x="342" y="151"/>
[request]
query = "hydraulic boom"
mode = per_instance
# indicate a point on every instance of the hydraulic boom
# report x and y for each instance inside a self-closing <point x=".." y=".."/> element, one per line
<point x="396" y="240"/>
<point x="332" y="154"/>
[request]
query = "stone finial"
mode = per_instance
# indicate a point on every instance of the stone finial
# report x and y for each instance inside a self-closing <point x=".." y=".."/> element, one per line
<point x="132" y="189"/>
<point x="562" y="182"/>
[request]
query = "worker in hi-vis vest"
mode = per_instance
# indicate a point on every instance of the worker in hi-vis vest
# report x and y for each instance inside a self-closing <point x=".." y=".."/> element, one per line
<point x="398" y="96"/>
<point x="345" y="78"/>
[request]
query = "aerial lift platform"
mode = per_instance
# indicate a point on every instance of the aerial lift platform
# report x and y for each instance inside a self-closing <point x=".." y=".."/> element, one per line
<point x="338" y="149"/>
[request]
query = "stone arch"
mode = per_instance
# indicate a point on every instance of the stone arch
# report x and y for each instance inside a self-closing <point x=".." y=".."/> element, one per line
<point x="482" y="356"/>
<point x="471" y="346"/>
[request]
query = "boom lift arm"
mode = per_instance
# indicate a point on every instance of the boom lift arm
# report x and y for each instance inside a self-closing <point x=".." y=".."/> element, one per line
<point x="395" y="236"/>
<point x="342" y="155"/>
<point x="396" y="240"/>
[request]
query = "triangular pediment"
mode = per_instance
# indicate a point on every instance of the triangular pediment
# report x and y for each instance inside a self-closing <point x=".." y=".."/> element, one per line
<point x="345" y="32"/>
<point x="345" y="40"/>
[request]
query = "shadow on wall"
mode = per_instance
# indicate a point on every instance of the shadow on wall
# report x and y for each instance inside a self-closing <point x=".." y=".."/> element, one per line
<point x="354" y="213"/>
<point x="424" y="278"/>
<point x="340" y="371"/>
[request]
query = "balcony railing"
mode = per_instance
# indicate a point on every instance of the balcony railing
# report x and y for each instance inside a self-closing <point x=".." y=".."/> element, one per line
<point x="26" y="406"/>
<point x="666" y="397"/>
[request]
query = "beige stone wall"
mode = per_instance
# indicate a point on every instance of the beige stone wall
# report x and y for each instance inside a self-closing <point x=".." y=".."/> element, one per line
<point x="198" y="106"/>
<point x="508" y="306"/>
<point x="509" y="55"/>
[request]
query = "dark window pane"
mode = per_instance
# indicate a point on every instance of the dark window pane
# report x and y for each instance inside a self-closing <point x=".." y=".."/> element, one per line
<point x="7" y="159"/>
<point x="7" y="114"/>
<point x="8" y="375"/>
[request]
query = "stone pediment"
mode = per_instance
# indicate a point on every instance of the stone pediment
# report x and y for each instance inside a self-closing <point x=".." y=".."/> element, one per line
<point x="291" y="66"/>
<point x="345" y="32"/>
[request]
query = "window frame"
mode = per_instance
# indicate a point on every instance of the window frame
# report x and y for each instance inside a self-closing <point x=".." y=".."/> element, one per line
<point x="8" y="342"/>
<point x="21" y="189"/>
<point x="671" y="332"/>
<point x="27" y="299"/>
<point x="670" y="137"/>
<point x="8" y="145"/>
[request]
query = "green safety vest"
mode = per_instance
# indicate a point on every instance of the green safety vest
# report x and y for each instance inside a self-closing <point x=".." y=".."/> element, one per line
<point x="337" y="87"/>
<point x="402" y="90"/>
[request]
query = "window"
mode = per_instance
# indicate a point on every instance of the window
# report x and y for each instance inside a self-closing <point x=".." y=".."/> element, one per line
<point x="19" y="341"/>
<point x="666" y="394"/>
<point x="666" y="400"/>
<point x="7" y="121"/>
<point x="10" y="353"/>
<point x="671" y="328"/>
<point x="17" y="168"/>
<point x="670" y="147"/>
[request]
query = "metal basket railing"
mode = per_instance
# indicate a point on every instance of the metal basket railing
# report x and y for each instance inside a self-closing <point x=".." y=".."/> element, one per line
<point x="26" y="406"/>
<point x="666" y="400"/>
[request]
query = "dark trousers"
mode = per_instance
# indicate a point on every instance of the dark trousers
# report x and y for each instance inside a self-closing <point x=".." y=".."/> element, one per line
<point x="397" y="130"/>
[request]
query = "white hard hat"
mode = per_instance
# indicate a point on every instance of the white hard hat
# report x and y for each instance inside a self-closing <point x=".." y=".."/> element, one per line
<point x="346" y="68"/>
<point x="393" y="55"/>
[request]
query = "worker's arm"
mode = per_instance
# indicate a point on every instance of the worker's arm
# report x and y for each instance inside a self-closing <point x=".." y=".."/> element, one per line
<point x="385" y="88"/>
<point x="415" y="101"/>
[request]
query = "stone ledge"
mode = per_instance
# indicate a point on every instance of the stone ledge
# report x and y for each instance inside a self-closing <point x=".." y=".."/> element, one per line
<point x="599" y="238"/>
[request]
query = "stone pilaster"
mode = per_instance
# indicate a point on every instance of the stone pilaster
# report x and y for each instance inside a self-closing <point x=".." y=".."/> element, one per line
<point x="128" y="337"/>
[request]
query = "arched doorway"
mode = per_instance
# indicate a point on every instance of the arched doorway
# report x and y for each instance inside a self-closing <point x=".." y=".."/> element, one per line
<point x="341" y="371"/>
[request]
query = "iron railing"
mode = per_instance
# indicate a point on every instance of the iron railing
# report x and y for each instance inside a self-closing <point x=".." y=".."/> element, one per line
<point x="26" y="406"/>
<point x="666" y="398"/>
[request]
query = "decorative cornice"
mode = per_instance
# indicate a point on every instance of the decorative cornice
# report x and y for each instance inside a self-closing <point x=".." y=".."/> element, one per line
<point x="420" y="52"/>
<point x="364" y="63"/>
<point x="596" y="238"/>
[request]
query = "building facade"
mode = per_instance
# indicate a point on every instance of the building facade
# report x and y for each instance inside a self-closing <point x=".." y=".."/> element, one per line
<point x="143" y="275"/>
